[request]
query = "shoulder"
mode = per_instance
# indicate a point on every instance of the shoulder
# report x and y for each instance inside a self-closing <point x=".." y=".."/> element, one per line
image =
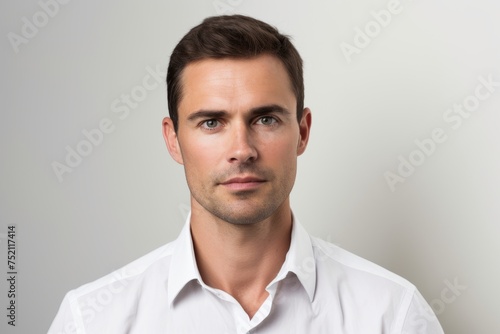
<point x="329" y="256"/>
<point x="114" y="296"/>
<point x="369" y="294"/>
<point x="138" y="270"/>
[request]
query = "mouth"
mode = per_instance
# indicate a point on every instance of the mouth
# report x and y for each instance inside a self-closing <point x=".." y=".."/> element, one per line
<point x="243" y="183"/>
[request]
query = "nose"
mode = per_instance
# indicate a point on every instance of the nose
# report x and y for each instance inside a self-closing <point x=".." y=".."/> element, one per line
<point x="242" y="147"/>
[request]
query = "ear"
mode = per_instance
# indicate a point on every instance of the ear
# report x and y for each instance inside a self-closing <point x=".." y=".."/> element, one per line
<point x="304" y="130"/>
<point x="171" y="140"/>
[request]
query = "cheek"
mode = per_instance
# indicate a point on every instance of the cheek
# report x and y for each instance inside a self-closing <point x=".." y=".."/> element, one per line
<point x="282" y="153"/>
<point x="199" y="155"/>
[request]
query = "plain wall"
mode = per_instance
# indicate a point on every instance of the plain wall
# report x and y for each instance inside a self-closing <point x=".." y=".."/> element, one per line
<point x="372" y="103"/>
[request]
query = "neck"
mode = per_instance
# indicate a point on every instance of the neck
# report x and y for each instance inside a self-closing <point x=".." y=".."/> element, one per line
<point x="241" y="259"/>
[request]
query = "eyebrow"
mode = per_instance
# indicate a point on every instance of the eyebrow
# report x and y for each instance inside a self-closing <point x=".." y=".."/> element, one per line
<point x="257" y="111"/>
<point x="269" y="109"/>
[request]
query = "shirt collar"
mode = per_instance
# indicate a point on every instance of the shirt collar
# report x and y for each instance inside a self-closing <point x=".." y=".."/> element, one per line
<point x="299" y="260"/>
<point x="183" y="268"/>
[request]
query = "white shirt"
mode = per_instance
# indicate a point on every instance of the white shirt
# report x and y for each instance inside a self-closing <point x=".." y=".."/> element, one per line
<point x="320" y="288"/>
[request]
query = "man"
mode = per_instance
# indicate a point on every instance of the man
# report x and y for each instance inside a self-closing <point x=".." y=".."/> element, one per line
<point x="243" y="263"/>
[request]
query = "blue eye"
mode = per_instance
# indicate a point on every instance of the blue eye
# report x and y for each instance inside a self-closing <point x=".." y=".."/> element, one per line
<point x="267" y="120"/>
<point x="210" y="124"/>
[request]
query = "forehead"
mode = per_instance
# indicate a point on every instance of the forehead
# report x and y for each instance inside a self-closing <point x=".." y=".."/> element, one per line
<point x="235" y="83"/>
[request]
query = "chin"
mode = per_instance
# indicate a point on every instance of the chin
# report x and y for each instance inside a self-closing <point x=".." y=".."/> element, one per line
<point x="240" y="216"/>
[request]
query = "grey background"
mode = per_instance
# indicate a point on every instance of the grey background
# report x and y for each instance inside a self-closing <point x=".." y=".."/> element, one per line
<point x="128" y="197"/>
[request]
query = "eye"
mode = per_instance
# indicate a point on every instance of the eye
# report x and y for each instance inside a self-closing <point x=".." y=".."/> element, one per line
<point x="267" y="120"/>
<point x="210" y="124"/>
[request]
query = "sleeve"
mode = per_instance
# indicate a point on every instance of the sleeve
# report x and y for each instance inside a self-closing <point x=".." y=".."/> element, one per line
<point x="67" y="320"/>
<point x="420" y="318"/>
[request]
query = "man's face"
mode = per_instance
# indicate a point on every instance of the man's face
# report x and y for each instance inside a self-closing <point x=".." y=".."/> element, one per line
<point x="238" y="137"/>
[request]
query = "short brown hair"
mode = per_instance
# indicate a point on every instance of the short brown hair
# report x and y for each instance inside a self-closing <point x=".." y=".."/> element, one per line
<point x="232" y="36"/>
